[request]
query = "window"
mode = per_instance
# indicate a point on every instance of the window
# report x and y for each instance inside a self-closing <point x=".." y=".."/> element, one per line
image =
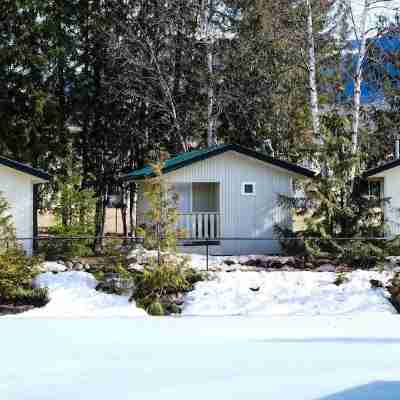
<point x="248" y="189"/>
<point x="376" y="189"/>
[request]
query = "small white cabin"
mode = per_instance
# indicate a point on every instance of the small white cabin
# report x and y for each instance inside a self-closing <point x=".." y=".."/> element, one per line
<point x="18" y="184"/>
<point x="384" y="181"/>
<point x="229" y="194"/>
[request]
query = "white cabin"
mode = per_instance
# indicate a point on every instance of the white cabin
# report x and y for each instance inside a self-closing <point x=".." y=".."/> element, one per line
<point x="18" y="185"/>
<point x="384" y="181"/>
<point x="229" y="194"/>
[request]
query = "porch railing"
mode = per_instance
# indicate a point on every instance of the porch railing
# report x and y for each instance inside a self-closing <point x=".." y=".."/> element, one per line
<point x="203" y="225"/>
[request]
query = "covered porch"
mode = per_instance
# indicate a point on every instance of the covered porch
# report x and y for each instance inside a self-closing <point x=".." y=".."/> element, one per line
<point x="199" y="209"/>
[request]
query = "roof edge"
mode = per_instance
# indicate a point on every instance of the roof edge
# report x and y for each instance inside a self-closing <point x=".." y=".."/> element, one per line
<point x="25" y="168"/>
<point x="381" y="168"/>
<point x="297" y="169"/>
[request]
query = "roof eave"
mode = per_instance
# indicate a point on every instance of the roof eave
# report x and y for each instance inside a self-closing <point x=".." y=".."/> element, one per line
<point x="38" y="176"/>
<point x="285" y="165"/>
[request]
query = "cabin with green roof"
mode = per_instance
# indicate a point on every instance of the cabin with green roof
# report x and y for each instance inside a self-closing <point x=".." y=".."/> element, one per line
<point x="229" y="194"/>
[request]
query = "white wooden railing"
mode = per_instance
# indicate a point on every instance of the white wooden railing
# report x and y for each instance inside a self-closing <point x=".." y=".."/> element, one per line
<point x="204" y="225"/>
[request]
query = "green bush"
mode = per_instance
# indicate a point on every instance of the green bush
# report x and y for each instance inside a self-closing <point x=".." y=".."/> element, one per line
<point x="37" y="297"/>
<point x="341" y="278"/>
<point x="7" y="229"/>
<point x="161" y="284"/>
<point x="61" y="246"/>
<point x="156" y="309"/>
<point x="16" y="274"/>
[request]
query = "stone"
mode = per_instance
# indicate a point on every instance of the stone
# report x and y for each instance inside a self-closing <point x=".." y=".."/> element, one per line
<point x="62" y="262"/>
<point x="323" y="261"/>
<point x="78" y="267"/>
<point x="87" y="267"/>
<point x="69" y="265"/>
<point x="326" y="268"/>
<point x="135" y="268"/>
<point x="229" y="262"/>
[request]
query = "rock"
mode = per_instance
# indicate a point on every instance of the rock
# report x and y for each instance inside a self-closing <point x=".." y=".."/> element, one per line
<point x="376" y="284"/>
<point x="51" y="266"/>
<point x="323" y="261"/>
<point x="78" y="267"/>
<point x="343" y="268"/>
<point x="87" y="267"/>
<point x="254" y="288"/>
<point x="135" y="268"/>
<point x="135" y="253"/>
<point x="229" y="262"/>
<point x="69" y="265"/>
<point x="326" y="268"/>
<point x="112" y="283"/>
<point x="179" y="299"/>
<point x="61" y="262"/>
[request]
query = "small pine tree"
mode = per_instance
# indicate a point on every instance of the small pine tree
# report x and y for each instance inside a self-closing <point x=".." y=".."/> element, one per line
<point x="161" y="230"/>
<point x="7" y="229"/>
<point x="340" y="209"/>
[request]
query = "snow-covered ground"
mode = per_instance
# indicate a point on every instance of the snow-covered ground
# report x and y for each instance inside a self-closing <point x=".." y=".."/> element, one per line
<point x="296" y="358"/>
<point x="287" y="293"/>
<point x="73" y="294"/>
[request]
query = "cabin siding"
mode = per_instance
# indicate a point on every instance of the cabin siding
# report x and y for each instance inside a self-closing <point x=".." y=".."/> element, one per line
<point x="391" y="190"/>
<point x="17" y="188"/>
<point x="241" y="216"/>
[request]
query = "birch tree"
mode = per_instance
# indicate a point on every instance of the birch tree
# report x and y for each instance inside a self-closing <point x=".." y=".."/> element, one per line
<point x="361" y="32"/>
<point x="208" y="37"/>
<point x="312" y="68"/>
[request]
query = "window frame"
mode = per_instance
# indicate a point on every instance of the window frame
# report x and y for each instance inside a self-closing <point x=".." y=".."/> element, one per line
<point x="244" y="193"/>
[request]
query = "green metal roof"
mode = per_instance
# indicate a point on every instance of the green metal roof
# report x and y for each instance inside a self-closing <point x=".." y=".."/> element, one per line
<point x="191" y="157"/>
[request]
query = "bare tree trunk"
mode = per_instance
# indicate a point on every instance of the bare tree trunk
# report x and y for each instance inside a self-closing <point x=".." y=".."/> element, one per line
<point x="211" y="96"/>
<point x="100" y="222"/>
<point x="358" y="78"/>
<point x="208" y="6"/>
<point x="312" y="72"/>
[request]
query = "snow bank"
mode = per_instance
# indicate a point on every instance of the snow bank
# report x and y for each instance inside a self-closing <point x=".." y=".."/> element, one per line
<point x="287" y="293"/>
<point x="73" y="294"/>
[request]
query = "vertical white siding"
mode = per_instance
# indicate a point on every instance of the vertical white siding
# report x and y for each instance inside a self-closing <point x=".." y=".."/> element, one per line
<point x="392" y="190"/>
<point x="242" y="216"/>
<point x="17" y="188"/>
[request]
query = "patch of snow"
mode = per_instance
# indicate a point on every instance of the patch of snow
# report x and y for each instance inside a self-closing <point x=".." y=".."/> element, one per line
<point x="73" y="294"/>
<point x="51" y="266"/>
<point x="287" y="293"/>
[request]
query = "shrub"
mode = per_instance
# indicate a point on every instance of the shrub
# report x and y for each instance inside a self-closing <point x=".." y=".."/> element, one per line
<point x="37" y="297"/>
<point x="16" y="274"/>
<point x="341" y="278"/>
<point x="156" y="309"/>
<point x="162" y="284"/>
<point x="61" y="246"/>
<point x="7" y="230"/>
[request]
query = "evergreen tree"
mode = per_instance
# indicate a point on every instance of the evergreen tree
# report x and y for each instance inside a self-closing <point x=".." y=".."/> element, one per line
<point x="339" y="212"/>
